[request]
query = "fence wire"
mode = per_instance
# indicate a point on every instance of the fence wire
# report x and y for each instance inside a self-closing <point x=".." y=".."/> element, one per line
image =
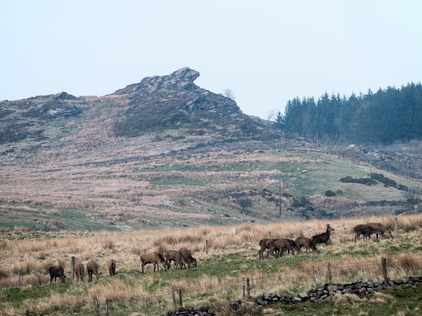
<point x="340" y="273"/>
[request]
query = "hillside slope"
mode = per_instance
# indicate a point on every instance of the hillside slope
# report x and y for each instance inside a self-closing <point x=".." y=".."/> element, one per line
<point x="165" y="152"/>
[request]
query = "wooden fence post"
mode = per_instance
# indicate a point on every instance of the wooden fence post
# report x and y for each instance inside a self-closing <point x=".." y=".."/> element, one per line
<point x="174" y="297"/>
<point x="106" y="307"/>
<point x="269" y="235"/>
<point x="19" y="278"/>
<point x="27" y="312"/>
<point x="72" y="264"/>
<point x="97" y="308"/>
<point x="206" y="246"/>
<point x="395" y="224"/>
<point x="315" y="276"/>
<point x="384" y="269"/>
<point x="329" y="274"/>
<point x="180" y="298"/>
<point x="248" y="287"/>
<point x="244" y="295"/>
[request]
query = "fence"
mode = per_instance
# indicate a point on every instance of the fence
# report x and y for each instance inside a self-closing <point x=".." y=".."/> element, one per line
<point x="245" y="287"/>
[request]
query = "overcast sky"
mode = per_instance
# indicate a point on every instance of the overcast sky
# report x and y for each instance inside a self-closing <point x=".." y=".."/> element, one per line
<point x="266" y="52"/>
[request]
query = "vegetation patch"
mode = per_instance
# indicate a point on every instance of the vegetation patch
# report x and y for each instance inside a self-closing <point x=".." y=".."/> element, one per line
<point x="365" y="181"/>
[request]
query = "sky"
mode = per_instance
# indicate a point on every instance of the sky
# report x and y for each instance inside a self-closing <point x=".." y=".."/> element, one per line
<point x="267" y="52"/>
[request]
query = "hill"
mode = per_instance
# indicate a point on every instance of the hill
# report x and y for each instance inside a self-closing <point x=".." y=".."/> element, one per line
<point x="165" y="152"/>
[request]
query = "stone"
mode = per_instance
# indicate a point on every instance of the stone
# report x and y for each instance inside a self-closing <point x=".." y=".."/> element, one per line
<point x="296" y="300"/>
<point x="261" y="302"/>
<point x="332" y="288"/>
<point x="303" y="296"/>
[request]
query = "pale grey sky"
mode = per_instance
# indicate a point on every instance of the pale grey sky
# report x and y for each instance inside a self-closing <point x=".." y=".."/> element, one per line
<point x="267" y="52"/>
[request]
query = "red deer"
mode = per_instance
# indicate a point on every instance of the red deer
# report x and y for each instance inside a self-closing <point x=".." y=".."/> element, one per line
<point x="263" y="243"/>
<point x="293" y="245"/>
<point x="307" y="243"/>
<point x="322" y="238"/>
<point x="188" y="256"/>
<point x="56" y="272"/>
<point x="382" y="229"/>
<point x="79" y="271"/>
<point x="364" y="230"/>
<point x="279" y="245"/>
<point x="112" y="267"/>
<point x="155" y="258"/>
<point x="172" y="255"/>
<point x="92" y="268"/>
<point x="177" y="257"/>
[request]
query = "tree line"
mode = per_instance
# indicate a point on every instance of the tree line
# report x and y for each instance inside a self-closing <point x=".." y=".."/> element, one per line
<point x="384" y="117"/>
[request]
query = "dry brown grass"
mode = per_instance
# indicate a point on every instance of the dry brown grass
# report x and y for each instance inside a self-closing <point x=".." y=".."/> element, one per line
<point x="33" y="257"/>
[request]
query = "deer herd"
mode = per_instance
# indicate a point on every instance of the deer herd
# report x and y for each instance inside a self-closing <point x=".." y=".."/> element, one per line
<point x="183" y="257"/>
<point x="277" y="247"/>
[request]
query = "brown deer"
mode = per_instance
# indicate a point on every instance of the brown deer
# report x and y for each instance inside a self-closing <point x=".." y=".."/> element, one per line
<point x="322" y="238"/>
<point x="177" y="257"/>
<point x="263" y="243"/>
<point x="79" y="271"/>
<point x="307" y="243"/>
<point x="155" y="258"/>
<point x="364" y="230"/>
<point x="112" y="267"/>
<point x="278" y="245"/>
<point x="188" y="256"/>
<point x="56" y="272"/>
<point x="92" y="268"/>
<point x="382" y="229"/>
<point x="293" y="245"/>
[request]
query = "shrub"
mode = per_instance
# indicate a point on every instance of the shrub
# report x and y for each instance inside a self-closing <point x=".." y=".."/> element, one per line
<point x="244" y="202"/>
<point x="366" y="181"/>
<point x="303" y="202"/>
<point x="329" y="193"/>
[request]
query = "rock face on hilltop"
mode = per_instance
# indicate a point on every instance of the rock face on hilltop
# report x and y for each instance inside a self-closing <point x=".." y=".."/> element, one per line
<point x="174" y="100"/>
<point x="153" y="105"/>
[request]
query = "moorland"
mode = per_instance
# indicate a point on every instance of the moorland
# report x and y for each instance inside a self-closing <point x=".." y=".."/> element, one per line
<point x="164" y="164"/>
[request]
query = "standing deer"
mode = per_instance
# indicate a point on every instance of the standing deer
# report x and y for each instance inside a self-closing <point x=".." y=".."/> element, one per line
<point x="322" y="238"/>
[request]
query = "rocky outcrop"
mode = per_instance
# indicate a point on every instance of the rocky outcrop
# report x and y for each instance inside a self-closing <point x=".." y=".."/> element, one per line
<point x="175" y="101"/>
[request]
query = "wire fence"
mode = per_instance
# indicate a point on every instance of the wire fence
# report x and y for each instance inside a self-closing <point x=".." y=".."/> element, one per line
<point x="244" y="288"/>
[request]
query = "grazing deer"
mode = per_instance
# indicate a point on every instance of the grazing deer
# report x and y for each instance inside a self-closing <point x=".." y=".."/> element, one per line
<point x="364" y="230"/>
<point x="79" y="270"/>
<point x="92" y="268"/>
<point x="154" y="258"/>
<point x="279" y="245"/>
<point x="307" y="243"/>
<point x="57" y="272"/>
<point x="382" y="229"/>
